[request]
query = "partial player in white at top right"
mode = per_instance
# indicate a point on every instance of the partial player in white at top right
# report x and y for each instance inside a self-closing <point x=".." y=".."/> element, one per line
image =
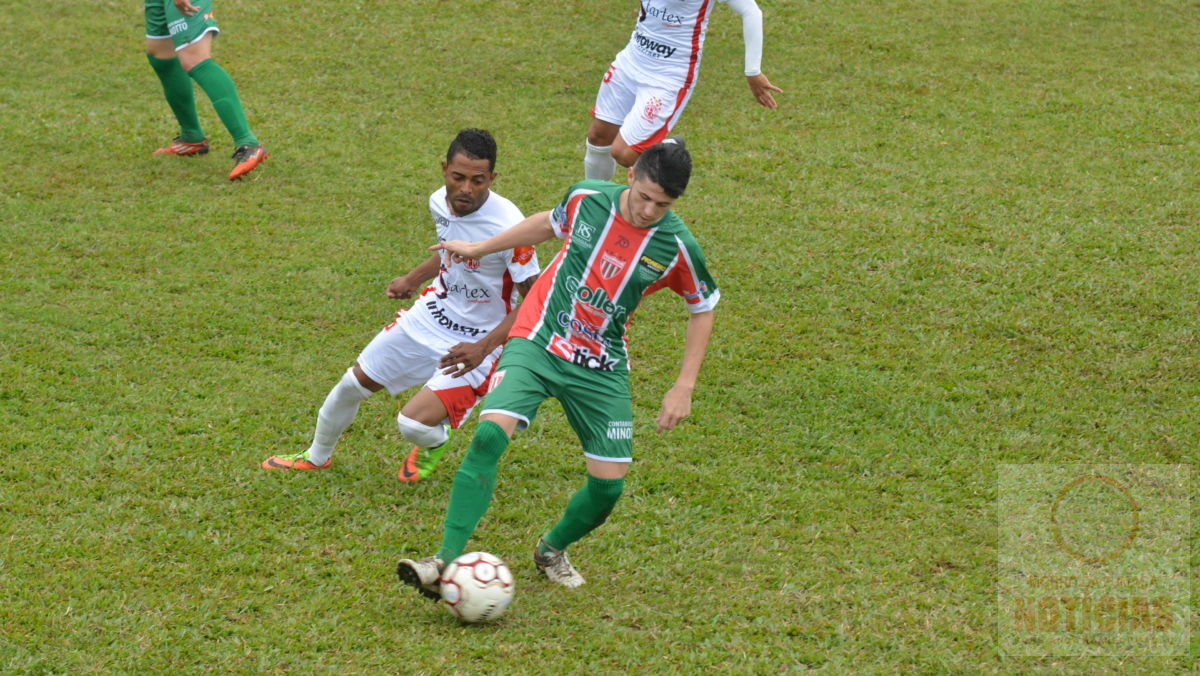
<point x="648" y="85"/>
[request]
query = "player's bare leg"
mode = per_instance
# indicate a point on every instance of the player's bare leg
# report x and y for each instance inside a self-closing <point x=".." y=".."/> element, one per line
<point x="623" y="154"/>
<point x="598" y="161"/>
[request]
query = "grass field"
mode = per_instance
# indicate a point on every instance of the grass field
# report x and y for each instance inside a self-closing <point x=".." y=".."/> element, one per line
<point x="968" y="238"/>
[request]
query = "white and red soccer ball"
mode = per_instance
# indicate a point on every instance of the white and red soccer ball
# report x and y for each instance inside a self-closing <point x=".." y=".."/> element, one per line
<point x="477" y="587"/>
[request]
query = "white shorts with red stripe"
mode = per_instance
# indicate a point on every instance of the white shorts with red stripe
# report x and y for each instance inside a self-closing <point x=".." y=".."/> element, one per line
<point x="646" y="108"/>
<point x="406" y="352"/>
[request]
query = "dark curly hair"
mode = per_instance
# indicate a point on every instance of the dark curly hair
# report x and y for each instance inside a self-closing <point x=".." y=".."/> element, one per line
<point x="476" y="144"/>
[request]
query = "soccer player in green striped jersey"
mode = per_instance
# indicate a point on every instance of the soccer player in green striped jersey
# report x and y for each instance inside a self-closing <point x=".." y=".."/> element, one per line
<point x="568" y="342"/>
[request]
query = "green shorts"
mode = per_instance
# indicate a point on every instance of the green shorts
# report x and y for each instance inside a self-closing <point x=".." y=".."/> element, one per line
<point x="597" y="403"/>
<point x="163" y="21"/>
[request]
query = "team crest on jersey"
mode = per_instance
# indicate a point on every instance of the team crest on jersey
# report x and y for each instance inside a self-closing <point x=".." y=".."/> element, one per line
<point x="610" y="266"/>
<point x="653" y="106"/>
<point x="471" y="263"/>
<point x="494" y="381"/>
<point x="522" y="255"/>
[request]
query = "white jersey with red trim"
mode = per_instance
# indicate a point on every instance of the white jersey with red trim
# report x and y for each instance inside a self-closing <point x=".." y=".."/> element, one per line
<point x="472" y="297"/>
<point x="668" y="39"/>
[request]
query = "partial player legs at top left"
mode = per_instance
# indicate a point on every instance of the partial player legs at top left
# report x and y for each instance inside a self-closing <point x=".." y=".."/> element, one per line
<point x="179" y="48"/>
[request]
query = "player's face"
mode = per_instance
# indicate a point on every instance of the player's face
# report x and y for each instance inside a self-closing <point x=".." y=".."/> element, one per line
<point x="646" y="202"/>
<point x="467" y="183"/>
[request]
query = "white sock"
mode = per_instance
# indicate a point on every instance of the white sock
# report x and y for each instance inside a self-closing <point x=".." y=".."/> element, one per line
<point x="598" y="162"/>
<point x="425" y="436"/>
<point x="335" y="416"/>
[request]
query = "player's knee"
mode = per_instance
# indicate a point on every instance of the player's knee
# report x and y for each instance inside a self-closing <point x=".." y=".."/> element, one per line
<point x="420" y="434"/>
<point x="341" y="404"/>
<point x="604" y="494"/>
<point x="160" y="48"/>
<point x="625" y="156"/>
<point x="363" y="379"/>
<point x="601" y="133"/>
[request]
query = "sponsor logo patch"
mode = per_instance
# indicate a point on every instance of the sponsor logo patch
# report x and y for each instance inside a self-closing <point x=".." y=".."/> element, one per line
<point x="598" y="299"/>
<point x="471" y="293"/>
<point x="582" y="328"/>
<point x="654" y="48"/>
<point x="583" y="231"/>
<point x="662" y="14"/>
<point x="580" y="356"/>
<point x="620" y="429"/>
<point x="439" y="315"/>
<point x="652" y="265"/>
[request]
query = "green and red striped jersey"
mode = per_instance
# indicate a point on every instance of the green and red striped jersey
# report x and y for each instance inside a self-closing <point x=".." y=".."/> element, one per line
<point x="579" y="309"/>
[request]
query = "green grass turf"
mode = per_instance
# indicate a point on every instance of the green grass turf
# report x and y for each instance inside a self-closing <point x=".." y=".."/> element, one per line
<point x="967" y="238"/>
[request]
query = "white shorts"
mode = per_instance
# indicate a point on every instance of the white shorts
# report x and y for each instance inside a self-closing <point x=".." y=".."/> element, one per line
<point x="405" y="354"/>
<point x="646" y="109"/>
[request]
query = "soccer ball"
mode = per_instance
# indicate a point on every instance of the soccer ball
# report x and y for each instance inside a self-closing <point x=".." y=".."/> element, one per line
<point x="477" y="587"/>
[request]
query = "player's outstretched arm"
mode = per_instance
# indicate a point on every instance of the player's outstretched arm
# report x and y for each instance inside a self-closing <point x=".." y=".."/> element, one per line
<point x="533" y="230"/>
<point x="405" y="286"/>
<point x="752" y="37"/>
<point x="677" y="403"/>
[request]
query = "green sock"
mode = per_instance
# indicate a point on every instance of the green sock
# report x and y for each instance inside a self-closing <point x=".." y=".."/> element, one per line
<point x="220" y="88"/>
<point x="472" y="491"/>
<point x="177" y="87"/>
<point x="587" y="509"/>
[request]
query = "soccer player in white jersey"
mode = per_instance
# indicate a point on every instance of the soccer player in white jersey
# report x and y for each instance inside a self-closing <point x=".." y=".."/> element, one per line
<point x="451" y="337"/>
<point x="645" y="90"/>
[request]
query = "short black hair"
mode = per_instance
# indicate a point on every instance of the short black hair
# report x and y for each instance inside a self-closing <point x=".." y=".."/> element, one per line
<point x="669" y="164"/>
<point x="476" y="144"/>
